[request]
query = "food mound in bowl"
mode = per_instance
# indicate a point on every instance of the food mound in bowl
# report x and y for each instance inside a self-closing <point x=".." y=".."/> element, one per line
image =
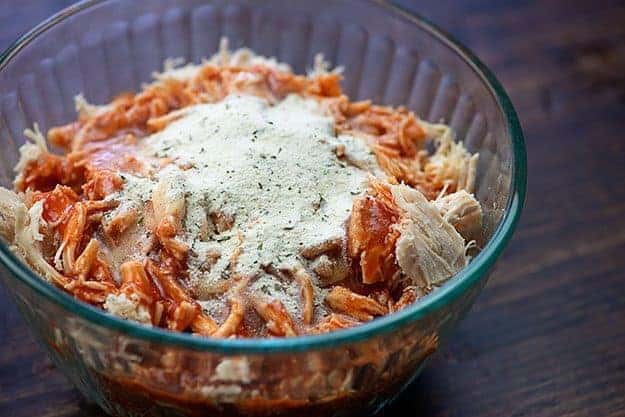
<point x="238" y="199"/>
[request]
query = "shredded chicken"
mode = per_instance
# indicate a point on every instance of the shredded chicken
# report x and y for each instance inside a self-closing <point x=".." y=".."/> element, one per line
<point x="462" y="211"/>
<point x="429" y="250"/>
<point x="402" y="233"/>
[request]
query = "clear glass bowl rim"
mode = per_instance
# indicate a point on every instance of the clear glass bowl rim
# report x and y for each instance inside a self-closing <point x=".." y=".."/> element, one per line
<point x="445" y="295"/>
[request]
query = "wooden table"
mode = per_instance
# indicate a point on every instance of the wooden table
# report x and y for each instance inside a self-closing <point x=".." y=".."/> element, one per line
<point x="547" y="336"/>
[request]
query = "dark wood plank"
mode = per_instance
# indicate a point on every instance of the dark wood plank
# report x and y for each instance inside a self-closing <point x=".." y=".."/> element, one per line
<point x="546" y="336"/>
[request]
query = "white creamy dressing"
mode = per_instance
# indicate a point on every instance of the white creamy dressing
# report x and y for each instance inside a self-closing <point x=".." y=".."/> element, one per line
<point x="273" y="169"/>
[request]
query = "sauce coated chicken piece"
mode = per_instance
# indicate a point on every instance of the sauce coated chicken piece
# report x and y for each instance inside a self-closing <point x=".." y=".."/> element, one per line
<point x="396" y="228"/>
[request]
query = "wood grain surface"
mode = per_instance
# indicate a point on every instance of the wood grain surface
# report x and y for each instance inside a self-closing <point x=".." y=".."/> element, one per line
<point x="547" y="335"/>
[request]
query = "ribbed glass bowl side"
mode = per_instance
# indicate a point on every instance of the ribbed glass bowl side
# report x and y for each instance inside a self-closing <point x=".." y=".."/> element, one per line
<point x="102" y="48"/>
<point x="128" y="376"/>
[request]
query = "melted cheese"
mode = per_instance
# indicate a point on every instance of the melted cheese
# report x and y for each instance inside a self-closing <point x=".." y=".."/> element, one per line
<point x="273" y="170"/>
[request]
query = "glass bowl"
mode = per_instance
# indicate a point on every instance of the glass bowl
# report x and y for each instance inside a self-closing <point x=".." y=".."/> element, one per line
<point x="103" y="47"/>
